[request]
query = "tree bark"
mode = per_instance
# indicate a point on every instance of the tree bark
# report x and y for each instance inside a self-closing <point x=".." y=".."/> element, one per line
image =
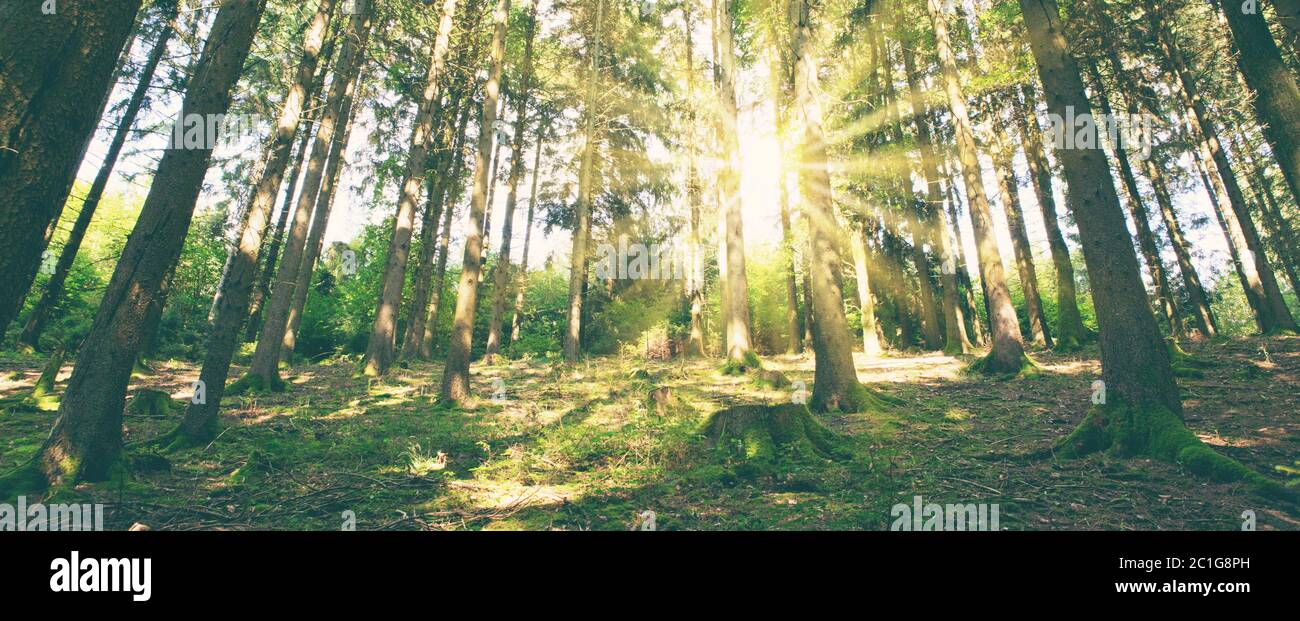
<point x="503" y="276"/>
<point x="1070" y="332"/>
<point x="53" y="294"/>
<point x="1135" y="361"/>
<point x="455" y="378"/>
<point x="51" y="68"/>
<point x="453" y="193"/>
<point x="866" y="301"/>
<point x="1008" y="353"/>
<point x="86" y="441"/>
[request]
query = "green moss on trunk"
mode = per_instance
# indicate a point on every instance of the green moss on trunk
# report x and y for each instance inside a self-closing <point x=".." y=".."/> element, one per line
<point x="1157" y="432"/>
<point x="989" y="365"/>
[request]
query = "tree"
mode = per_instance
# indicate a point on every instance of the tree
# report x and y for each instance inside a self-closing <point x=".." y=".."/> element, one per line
<point x="503" y="277"/>
<point x="1008" y="353"/>
<point x="1143" y="411"/>
<point x="51" y="65"/>
<point x="86" y="441"/>
<point x="1277" y="97"/>
<point x="1070" y="332"/>
<point x="582" y="223"/>
<point x="383" y="335"/>
<point x="39" y="315"/>
<point x="264" y="373"/>
<point x="738" y="320"/>
<point x="455" y="377"/>
<point x="200" y="422"/>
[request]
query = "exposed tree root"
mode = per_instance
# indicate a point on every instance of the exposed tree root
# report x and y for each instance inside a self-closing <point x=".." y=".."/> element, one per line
<point x="254" y="384"/>
<point x="989" y="366"/>
<point x="750" y="362"/>
<point x="1159" y="433"/>
<point x="770" y="433"/>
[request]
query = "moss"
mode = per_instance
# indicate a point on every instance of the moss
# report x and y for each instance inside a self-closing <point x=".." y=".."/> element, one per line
<point x="1157" y="432"/>
<point x="749" y="362"/>
<point x="768" y="434"/>
<point x="987" y="365"/>
<point x="154" y="403"/>
<point x="770" y="378"/>
<point x="859" y="399"/>
<point x="251" y="384"/>
<point x="24" y="480"/>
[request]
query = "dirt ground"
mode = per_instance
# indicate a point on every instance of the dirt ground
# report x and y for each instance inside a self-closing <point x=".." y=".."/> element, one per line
<point x="584" y="447"/>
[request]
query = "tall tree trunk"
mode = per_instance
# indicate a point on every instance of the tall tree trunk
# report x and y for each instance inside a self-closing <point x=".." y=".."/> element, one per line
<point x="329" y="190"/>
<point x="453" y="191"/>
<point x="200" y="422"/>
<point x="835" y="386"/>
<point x="380" y="351"/>
<point x="578" y="256"/>
<point x="1010" y="187"/>
<point x="1135" y="361"/>
<point x="1201" y="312"/>
<point x="521" y="281"/>
<point x="1008" y="354"/>
<point x="86" y="441"/>
<point x="1271" y="313"/>
<point x="503" y="276"/>
<point x="967" y="296"/>
<point x="266" y="357"/>
<point x="1070" y="332"/>
<point x="1166" y="306"/>
<point x="455" y="378"/>
<point x="429" y="226"/>
<point x="1277" y="97"/>
<point x="56" y="72"/>
<point x="738" y="320"/>
<point x="314" y="108"/>
<point x="955" y="338"/>
<point x="866" y="301"/>
<point x="53" y="294"/>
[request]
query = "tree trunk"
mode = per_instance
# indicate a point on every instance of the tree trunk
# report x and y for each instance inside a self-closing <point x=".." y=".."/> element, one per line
<point x="455" y="378"/>
<point x="1070" y="332"/>
<point x="503" y="276"/>
<point x="320" y="216"/>
<point x="1008" y="353"/>
<point x="314" y="107"/>
<point x="429" y="226"/>
<point x="265" y="371"/>
<point x="835" y="387"/>
<point x="1135" y="361"/>
<point x="866" y="301"/>
<point x="55" y="73"/>
<point x="380" y="352"/>
<point x="453" y="194"/>
<point x="516" y="322"/>
<point x="578" y="256"/>
<point x="200" y="422"/>
<point x="1010" y="187"/>
<point x="1277" y="97"/>
<point x="1271" y="313"/>
<point x="53" y="294"/>
<point x="738" y="319"/>
<point x="86" y="441"/>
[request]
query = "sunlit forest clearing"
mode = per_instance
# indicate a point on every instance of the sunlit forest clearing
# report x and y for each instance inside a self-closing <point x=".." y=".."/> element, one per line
<point x="588" y="448"/>
<point x="670" y="265"/>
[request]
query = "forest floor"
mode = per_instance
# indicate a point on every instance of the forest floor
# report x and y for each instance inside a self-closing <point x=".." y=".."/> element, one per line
<point x="550" y="447"/>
